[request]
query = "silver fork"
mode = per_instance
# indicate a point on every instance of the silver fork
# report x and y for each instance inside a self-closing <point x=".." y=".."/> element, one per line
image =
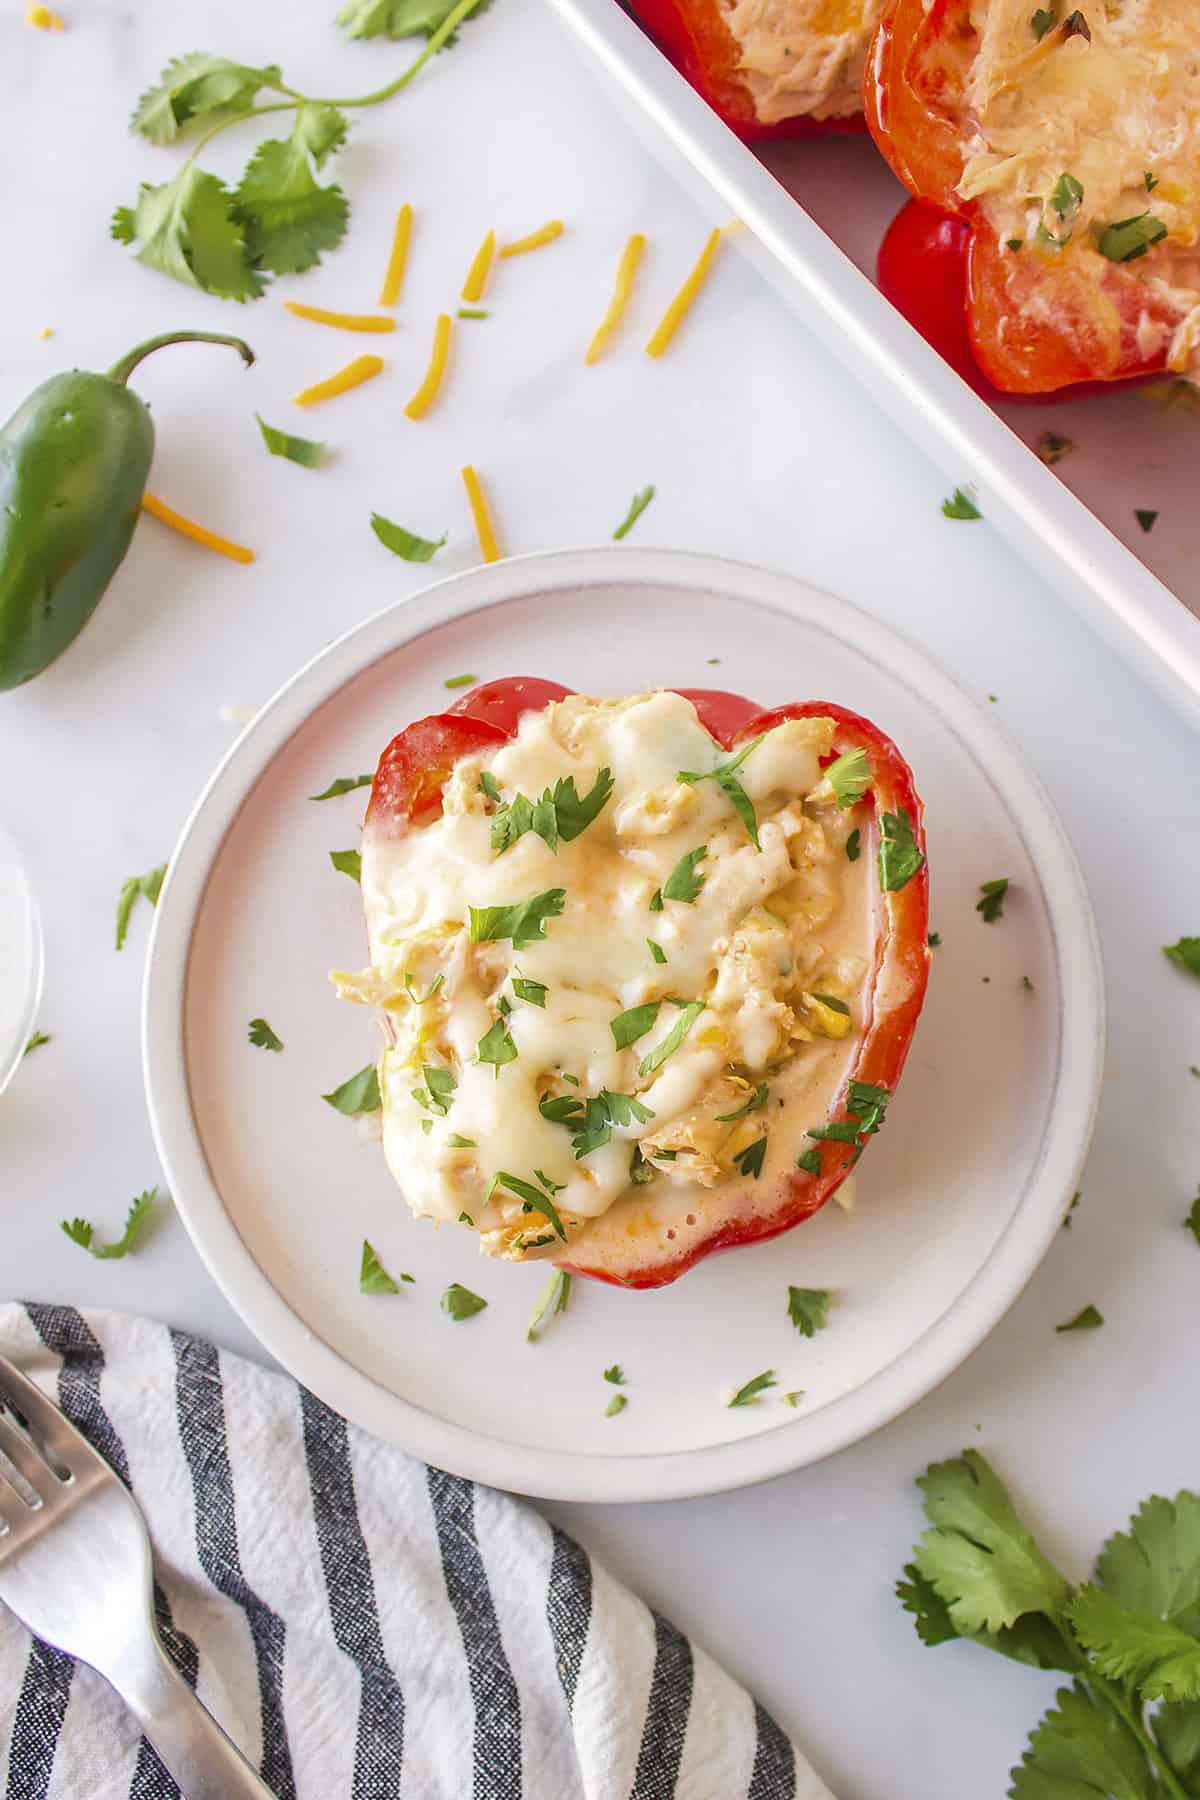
<point x="75" y="1568"/>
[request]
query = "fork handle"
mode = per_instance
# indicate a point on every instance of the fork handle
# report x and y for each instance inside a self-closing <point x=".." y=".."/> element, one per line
<point x="206" y="1764"/>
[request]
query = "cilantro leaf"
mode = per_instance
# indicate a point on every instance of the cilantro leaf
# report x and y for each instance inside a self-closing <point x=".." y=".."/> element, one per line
<point x="461" y="1303"/>
<point x="807" y="1308"/>
<point x="305" y="451"/>
<point x="360" y="1094"/>
<point x="438" y="1092"/>
<point x="41" y="1037"/>
<point x="534" y="1200"/>
<point x="637" y="507"/>
<point x="854" y="845"/>
<point x="1090" y="1319"/>
<point x="149" y="886"/>
<point x="404" y="543"/>
<point x="194" y="85"/>
<point x="320" y="129"/>
<point x="398" y="18"/>
<point x="1127" y="239"/>
<point x="1145" y="517"/>
<point x="287" y="216"/>
<point x="689" y="1013"/>
<point x="992" y="903"/>
<point x="746" y="1396"/>
<point x="344" y="784"/>
<point x="575" y="812"/>
<point x="1041" y="22"/>
<point x="616" y="1405"/>
<point x="495" y="1046"/>
<point x="523" y="922"/>
<point x="849" y="775"/>
<point x="809" y="1161"/>
<point x="656" y="951"/>
<point x="683" y="883"/>
<point x="934" y="940"/>
<point x="978" y="1556"/>
<point x="188" y="229"/>
<point x="757" y="1099"/>
<point x="373" y="1278"/>
<point x="554" y="1298"/>
<point x="960" y="505"/>
<point x="794" y="1398"/>
<point x="136" y="1220"/>
<point x="1081" y="1750"/>
<point x="899" y="858"/>
<point x="421" y="999"/>
<point x="1160" y="1657"/>
<point x="750" y="1160"/>
<point x="1066" y="197"/>
<point x="629" y="1026"/>
<point x="591" y="1123"/>
<point x="1032" y="1640"/>
<point x="1191" y="1223"/>
<point x="1154" y="1567"/>
<point x="347" y="862"/>
<point x="725" y="777"/>
<point x="1185" y="954"/>
<point x="616" y="1375"/>
<point x="533" y="992"/>
<point x="560" y="813"/>
<point x="262" y="1037"/>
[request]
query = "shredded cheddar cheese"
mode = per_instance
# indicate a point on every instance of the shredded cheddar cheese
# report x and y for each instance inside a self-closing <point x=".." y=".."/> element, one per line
<point x="479" y="271"/>
<point x="344" y="321"/>
<point x="352" y="376"/>
<point x="676" y="312"/>
<point x="631" y="256"/>
<point x="485" y="531"/>
<point x="535" y="240"/>
<point x="427" y="393"/>
<point x="42" y="19"/>
<point x="198" y="533"/>
<point x="393" y="279"/>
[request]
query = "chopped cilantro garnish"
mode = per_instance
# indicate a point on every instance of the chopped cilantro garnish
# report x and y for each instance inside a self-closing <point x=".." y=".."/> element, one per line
<point x="833" y="1003"/>
<point x="629" y="1026"/>
<point x="757" y="1099"/>
<point x="637" y="507"/>
<point x="1130" y="238"/>
<point x="899" y="858"/>
<point x="794" y="1398"/>
<point x="532" y="992"/>
<point x="1066" y="197"/>
<point x="591" y="1122"/>
<point x="689" y="1012"/>
<point x="854" y="845"/>
<point x="1052" y="448"/>
<point x="807" y="1307"/>
<point x="656" y="951"/>
<point x="809" y="1161"/>
<point x="533" y="1198"/>
<point x="1041" y="22"/>
<point x="656" y="900"/>
<point x="461" y="1303"/>
<point x="344" y="784"/>
<point x="750" y="1160"/>
<point x="430" y="991"/>
<point x="561" y="812"/>
<point x="489" y="785"/>
<point x="405" y="544"/>
<point x="456" y="1141"/>
<point x="1090" y="1319"/>
<point x="554" y="1298"/>
<point x="616" y="1405"/>
<point x="960" y="505"/>
<point x="1015" y="243"/>
<point x="304" y="451"/>
<point x="616" y="1375"/>
<point x="347" y="862"/>
<point x="849" y="775"/>
<point x="838" y="1131"/>
<point x="136" y="1220"/>
<point x="1185" y="954"/>
<point x="373" y="1278"/>
<point x="934" y="940"/>
<point x="262" y="1037"/>
<point x="725" y="776"/>
<point x="746" y="1396"/>
<point x="464" y="1218"/>
<point x="683" y="883"/>
<point x="495" y="1046"/>
<point x="148" y="886"/>
<point x="438" y="1091"/>
<point x="991" y="905"/>
<point x="524" y="922"/>
<point x="1027" y="984"/>
<point x="1145" y="518"/>
<point x="36" y="1041"/>
<point x="358" y="1095"/>
<point x="1151" y="181"/>
<point x="1192" y="1222"/>
<point x="457" y="681"/>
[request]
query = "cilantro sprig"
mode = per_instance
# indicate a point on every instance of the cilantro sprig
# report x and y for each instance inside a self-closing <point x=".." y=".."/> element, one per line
<point x="561" y="812"/>
<point x="137" y="1221"/>
<point x="591" y="1121"/>
<point x="1129" y="1724"/>
<point x="725" y="776"/>
<point x="554" y="1298"/>
<point x="278" y="219"/>
<point x="147" y="887"/>
<point x="523" y="923"/>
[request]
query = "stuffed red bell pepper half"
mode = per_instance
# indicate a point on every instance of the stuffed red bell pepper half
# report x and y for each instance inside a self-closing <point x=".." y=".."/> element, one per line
<point x="649" y="968"/>
<point x="1059" y="151"/>
<point x="770" y="68"/>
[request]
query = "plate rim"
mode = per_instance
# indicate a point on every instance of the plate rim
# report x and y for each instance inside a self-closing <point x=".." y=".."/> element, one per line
<point x="590" y="1476"/>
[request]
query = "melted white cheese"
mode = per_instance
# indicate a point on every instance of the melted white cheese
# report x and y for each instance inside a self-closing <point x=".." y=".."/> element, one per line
<point x="768" y="927"/>
<point x="803" y="57"/>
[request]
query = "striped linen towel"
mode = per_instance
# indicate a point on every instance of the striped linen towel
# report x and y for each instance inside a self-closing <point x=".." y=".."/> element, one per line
<point x="364" y="1627"/>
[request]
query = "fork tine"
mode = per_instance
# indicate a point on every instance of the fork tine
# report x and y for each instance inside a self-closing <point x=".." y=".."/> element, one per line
<point x="21" y="1453"/>
<point x="57" y="1440"/>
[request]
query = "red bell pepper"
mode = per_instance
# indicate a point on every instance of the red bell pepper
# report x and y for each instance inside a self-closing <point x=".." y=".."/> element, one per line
<point x="704" y="50"/>
<point x="1033" y="320"/>
<point x="407" y="793"/>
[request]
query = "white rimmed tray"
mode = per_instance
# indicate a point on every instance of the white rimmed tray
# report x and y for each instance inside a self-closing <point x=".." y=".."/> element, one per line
<point x="847" y="187"/>
<point x="957" y="1201"/>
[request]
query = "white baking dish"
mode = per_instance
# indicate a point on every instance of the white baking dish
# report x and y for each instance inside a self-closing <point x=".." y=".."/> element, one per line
<point x="1131" y="454"/>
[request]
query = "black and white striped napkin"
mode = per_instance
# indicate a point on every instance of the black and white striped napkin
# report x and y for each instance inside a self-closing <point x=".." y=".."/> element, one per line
<point x="364" y="1627"/>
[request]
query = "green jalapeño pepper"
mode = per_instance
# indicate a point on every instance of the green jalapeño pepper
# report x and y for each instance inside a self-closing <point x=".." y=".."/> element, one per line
<point x="73" y="466"/>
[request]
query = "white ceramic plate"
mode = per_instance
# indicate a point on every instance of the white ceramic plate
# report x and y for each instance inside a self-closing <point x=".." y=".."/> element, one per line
<point x="957" y="1200"/>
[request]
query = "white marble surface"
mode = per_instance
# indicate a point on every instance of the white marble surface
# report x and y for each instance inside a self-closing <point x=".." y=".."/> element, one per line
<point x="759" y="450"/>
